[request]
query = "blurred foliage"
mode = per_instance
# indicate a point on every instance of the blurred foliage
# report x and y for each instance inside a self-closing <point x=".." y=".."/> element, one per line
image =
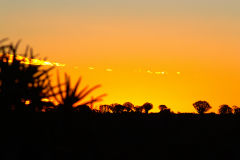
<point x="21" y="84"/>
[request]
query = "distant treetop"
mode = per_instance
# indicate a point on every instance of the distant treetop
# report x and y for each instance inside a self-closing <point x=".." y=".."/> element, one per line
<point x="202" y="106"/>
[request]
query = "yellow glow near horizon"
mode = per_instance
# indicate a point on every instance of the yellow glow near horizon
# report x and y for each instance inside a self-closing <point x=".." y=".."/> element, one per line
<point x="148" y="51"/>
<point x="33" y="61"/>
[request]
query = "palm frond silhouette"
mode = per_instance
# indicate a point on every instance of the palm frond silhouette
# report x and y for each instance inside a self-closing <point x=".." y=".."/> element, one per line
<point x="20" y="81"/>
<point x="68" y="98"/>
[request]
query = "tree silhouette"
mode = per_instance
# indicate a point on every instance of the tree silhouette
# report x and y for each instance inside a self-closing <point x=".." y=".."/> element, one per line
<point x="104" y="108"/>
<point x="119" y="108"/>
<point x="202" y="106"/>
<point x="164" y="109"/>
<point x="147" y="107"/>
<point x="236" y="110"/>
<point x="112" y="107"/>
<point x="225" y="109"/>
<point x="138" y="109"/>
<point x="128" y="106"/>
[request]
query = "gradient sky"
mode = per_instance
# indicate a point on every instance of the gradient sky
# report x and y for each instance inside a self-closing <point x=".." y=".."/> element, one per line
<point x="137" y="39"/>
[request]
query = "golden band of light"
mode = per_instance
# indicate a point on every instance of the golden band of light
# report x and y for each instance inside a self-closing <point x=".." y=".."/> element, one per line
<point x="33" y="61"/>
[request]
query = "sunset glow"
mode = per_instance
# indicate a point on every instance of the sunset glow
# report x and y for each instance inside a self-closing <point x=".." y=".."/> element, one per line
<point x="34" y="61"/>
<point x="164" y="52"/>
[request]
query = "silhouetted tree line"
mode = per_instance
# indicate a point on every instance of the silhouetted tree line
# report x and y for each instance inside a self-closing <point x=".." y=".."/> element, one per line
<point x="128" y="107"/>
<point x="28" y="87"/>
<point x="203" y="106"/>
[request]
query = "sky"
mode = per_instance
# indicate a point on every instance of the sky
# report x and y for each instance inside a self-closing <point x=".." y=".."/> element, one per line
<point x="160" y="51"/>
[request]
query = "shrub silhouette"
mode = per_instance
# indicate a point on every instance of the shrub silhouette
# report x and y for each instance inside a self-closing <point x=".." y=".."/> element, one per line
<point x="225" y="109"/>
<point x="164" y="109"/>
<point x="117" y="108"/>
<point x="202" y="106"/>
<point x="138" y="109"/>
<point x="21" y="82"/>
<point x="105" y="108"/>
<point x="236" y="110"/>
<point x="68" y="97"/>
<point x="83" y="109"/>
<point x="128" y="106"/>
<point x="147" y="107"/>
<point x="112" y="107"/>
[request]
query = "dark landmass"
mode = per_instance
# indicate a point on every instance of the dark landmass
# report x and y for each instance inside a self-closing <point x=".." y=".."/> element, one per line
<point x="109" y="136"/>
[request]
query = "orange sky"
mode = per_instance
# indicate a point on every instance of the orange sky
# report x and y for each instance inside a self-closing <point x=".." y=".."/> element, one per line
<point x="202" y="45"/>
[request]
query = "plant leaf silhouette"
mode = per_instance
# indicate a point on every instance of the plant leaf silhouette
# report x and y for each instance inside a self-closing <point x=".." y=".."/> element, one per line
<point x="68" y="98"/>
<point x="21" y="82"/>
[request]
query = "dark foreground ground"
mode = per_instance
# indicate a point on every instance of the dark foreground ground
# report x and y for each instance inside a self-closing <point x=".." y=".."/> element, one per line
<point x="49" y="136"/>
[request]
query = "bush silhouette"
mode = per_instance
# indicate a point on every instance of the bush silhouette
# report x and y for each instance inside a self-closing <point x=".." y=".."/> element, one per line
<point x="105" y="108"/>
<point x="147" y="107"/>
<point x="236" y="110"/>
<point x="202" y="106"/>
<point x="164" y="109"/>
<point x="117" y="108"/>
<point x="112" y="107"/>
<point x="128" y="106"/>
<point x="225" y="109"/>
<point x="138" y="109"/>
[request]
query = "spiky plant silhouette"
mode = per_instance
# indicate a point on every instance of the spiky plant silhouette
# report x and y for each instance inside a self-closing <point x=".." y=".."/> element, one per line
<point x="68" y="98"/>
<point x="21" y="81"/>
